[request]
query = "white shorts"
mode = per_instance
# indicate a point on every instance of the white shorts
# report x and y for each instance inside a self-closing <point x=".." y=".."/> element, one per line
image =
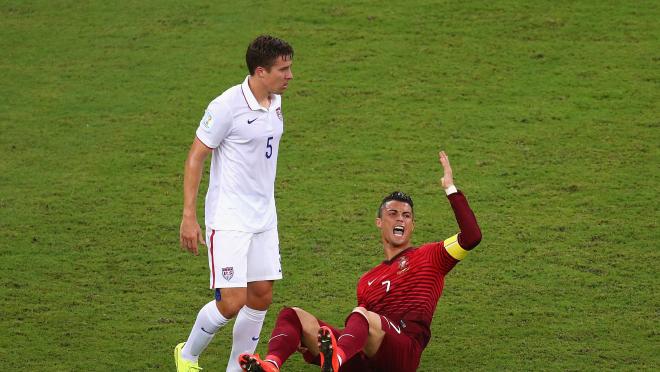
<point x="237" y="258"/>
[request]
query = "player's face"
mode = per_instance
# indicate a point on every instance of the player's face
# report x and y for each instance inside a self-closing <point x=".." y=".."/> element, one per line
<point x="396" y="224"/>
<point x="277" y="79"/>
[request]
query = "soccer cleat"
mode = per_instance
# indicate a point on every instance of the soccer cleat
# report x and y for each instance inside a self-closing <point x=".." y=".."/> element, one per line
<point x="184" y="365"/>
<point x="252" y="363"/>
<point x="328" y="348"/>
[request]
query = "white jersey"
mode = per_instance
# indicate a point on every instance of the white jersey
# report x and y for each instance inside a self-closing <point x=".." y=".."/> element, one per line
<point x="245" y="139"/>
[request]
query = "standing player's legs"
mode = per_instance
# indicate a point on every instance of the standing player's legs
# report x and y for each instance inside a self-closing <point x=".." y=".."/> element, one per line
<point x="263" y="268"/>
<point x="228" y="275"/>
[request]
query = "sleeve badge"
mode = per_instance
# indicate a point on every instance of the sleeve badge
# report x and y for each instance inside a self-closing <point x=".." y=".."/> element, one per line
<point x="207" y="120"/>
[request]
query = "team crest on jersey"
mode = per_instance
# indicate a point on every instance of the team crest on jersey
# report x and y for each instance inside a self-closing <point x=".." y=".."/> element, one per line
<point x="403" y="265"/>
<point x="278" y="111"/>
<point x="228" y="272"/>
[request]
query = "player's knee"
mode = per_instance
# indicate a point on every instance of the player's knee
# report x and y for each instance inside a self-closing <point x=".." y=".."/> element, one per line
<point x="229" y="309"/>
<point x="259" y="297"/>
<point x="361" y="310"/>
<point x="307" y="320"/>
<point x="230" y="301"/>
<point x="367" y="315"/>
<point x="263" y="300"/>
<point x="289" y="313"/>
<point x="372" y="319"/>
<point x="308" y="323"/>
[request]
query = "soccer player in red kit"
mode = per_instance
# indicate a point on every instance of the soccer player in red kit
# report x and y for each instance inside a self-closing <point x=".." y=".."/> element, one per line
<point x="391" y="326"/>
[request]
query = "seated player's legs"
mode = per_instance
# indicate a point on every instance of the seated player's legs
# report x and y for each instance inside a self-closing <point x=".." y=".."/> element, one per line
<point x="254" y="363"/>
<point x="295" y="330"/>
<point x="310" y="331"/>
<point x="376" y="332"/>
<point x="347" y="347"/>
<point x="357" y="363"/>
<point x="397" y="351"/>
<point x="387" y="347"/>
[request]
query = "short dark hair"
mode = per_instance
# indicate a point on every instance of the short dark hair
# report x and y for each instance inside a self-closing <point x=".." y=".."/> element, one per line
<point x="398" y="196"/>
<point x="264" y="50"/>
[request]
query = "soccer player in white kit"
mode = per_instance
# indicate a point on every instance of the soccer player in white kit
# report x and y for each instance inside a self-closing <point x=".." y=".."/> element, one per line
<point x="241" y="128"/>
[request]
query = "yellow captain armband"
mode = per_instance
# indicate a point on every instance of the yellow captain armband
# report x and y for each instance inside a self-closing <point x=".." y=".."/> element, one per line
<point x="454" y="249"/>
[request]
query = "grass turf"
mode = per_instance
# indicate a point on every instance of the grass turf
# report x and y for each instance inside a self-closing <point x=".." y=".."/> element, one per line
<point x="548" y="110"/>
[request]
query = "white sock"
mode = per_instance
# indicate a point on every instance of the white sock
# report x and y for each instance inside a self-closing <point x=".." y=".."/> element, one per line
<point x="246" y="335"/>
<point x="209" y="321"/>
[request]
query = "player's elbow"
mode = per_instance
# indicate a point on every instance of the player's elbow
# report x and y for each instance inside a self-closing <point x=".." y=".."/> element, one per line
<point x="477" y="238"/>
<point x="470" y="239"/>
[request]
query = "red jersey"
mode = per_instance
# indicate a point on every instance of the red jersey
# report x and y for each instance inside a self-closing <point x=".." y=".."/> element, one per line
<point x="407" y="288"/>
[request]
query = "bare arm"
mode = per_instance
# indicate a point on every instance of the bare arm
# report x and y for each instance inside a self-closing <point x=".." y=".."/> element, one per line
<point x="190" y="234"/>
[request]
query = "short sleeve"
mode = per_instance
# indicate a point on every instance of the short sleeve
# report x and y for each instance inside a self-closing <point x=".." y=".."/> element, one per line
<point x="215" y="125"/>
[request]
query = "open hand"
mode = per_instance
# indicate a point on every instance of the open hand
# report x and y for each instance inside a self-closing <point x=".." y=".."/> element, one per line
<point x="448" y="177"/>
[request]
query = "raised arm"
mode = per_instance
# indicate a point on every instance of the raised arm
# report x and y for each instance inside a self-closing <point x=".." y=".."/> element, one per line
<point x="470" y="234"/>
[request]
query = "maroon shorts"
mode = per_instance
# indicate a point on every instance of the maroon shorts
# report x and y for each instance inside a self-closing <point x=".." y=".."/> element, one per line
<point x="398" y="352"/>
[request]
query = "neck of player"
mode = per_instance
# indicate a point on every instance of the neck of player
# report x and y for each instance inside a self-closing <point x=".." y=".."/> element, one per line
<point x="391" y="251"/>
<point x="259" y="91"/>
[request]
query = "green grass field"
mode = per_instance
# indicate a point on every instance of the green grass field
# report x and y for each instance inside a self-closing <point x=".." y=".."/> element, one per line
<point x="549" y="111"/>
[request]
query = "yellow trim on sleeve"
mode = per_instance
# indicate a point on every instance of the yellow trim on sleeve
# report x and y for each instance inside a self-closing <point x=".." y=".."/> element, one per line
<point x="454" y="249"/>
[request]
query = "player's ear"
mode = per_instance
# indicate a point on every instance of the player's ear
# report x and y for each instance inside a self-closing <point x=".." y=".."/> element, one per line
<point x="379" y="223"/>
<point x="259" y="71"/>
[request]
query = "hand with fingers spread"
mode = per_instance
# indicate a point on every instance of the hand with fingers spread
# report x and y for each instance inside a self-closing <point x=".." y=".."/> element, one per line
<point x="447" y="179"/>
